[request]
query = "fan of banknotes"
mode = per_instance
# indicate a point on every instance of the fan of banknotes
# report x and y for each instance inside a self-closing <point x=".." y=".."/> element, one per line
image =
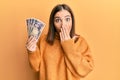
<point x="34" y="27"/>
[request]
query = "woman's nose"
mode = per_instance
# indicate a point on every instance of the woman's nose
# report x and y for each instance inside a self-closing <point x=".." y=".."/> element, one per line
<point x="63" y="23"/>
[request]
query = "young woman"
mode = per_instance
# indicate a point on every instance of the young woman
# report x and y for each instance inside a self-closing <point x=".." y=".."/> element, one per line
<point x="61" y="54"/>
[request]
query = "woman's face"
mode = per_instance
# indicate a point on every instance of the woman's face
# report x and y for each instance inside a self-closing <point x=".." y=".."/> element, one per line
<point x="63" y="19"/>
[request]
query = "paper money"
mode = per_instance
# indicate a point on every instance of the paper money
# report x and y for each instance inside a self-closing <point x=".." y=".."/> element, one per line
<point x="34" y="27"/>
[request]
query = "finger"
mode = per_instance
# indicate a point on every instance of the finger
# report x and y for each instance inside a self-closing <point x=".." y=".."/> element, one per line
<point x="66" y="31"/>
<point x="67" y="34"/>
<point x="32" y="44"/>
<point x="61" y="38"/>
<point x="31" y="47"/>
<point x="62" y="34"/>
<point x="68" y="27"/>
<point x="32" y="39"/>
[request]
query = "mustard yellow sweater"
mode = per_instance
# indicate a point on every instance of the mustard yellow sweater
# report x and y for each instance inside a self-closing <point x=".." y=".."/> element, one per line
<point x="68" y="60"/>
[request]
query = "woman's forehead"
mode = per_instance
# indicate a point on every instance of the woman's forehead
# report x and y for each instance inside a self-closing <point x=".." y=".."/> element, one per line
<point x="62" y="13"/>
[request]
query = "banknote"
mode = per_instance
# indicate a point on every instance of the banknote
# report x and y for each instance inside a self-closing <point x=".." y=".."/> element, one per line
<point x="34" y="27"/>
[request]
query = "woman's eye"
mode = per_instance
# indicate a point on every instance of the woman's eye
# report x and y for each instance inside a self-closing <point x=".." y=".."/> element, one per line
<point x="67" y="19"/>
<point x="57" y="20"/>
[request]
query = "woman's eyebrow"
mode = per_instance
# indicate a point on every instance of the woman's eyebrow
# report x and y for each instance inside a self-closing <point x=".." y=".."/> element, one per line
<point x="56" y="17"/>
<point x="67" y="16"/>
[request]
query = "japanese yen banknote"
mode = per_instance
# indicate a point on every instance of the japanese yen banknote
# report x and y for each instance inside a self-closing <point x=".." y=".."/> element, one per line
<point x="34" y="27"/>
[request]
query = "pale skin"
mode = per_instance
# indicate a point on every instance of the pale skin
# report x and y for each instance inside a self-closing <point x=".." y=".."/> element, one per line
<point x="63" y="25"/>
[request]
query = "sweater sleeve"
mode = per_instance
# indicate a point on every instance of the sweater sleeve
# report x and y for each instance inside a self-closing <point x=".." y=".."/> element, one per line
<point x="77" y="57"/>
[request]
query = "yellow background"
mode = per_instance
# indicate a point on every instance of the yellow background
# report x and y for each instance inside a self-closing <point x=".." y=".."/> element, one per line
<point x="97" y="20"/>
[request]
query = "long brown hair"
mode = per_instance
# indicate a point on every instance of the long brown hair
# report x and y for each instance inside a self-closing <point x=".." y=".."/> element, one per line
<point x="52" y="30"/>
